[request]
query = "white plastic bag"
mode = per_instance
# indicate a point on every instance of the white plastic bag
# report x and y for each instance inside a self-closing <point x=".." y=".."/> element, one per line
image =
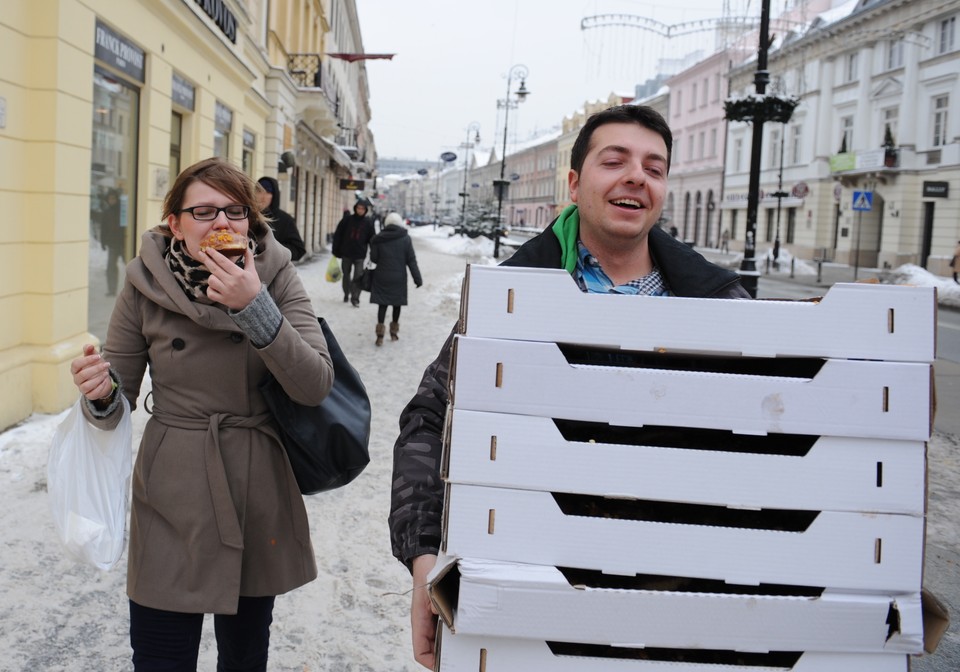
<point x="88" y="481"/>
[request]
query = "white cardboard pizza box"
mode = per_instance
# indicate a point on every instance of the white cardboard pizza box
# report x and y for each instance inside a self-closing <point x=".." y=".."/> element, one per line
<point x="888" y="400"/>
<point x="852" y="321"/>
<point x="478" y="653"/>
<point x="848" y="551"/>
<point x="478" y="597"/>
<point x="825" y="473"/>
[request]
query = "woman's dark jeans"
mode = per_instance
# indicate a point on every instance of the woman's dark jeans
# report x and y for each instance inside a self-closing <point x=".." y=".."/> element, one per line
<point x="168" y="641"/>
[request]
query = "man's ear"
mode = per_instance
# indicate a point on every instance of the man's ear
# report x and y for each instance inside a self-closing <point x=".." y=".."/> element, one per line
<point x="573" y="181"/>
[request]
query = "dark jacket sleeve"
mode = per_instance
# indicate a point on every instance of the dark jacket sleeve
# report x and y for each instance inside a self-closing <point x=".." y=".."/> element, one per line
<point x="286" y="232"/>
<point x="416" y="504"/>
<point x="412" y="263"/>
<point x="338" y="238"/>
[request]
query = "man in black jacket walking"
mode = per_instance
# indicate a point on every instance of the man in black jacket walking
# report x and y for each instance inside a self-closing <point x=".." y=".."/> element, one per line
<point x="609" y="243"/>
<point x="350" y="241"/>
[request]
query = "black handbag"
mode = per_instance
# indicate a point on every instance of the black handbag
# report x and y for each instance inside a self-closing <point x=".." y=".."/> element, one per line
<point x="328" y="445"/>
<point x="366" y="279"/>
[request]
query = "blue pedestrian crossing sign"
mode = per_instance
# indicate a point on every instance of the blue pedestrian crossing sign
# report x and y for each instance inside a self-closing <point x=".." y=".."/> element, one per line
<point x="863" y="201"/>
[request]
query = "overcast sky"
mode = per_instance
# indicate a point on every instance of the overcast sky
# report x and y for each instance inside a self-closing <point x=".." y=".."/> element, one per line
<point x="452" y="59"/>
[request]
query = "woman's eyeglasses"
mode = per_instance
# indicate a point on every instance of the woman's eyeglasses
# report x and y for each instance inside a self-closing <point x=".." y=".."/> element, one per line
<point x="208" y="213"/>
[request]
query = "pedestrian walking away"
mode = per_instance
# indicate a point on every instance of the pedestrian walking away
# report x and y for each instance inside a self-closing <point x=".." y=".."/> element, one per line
<point x="113" y="227"/>
<point x="350" y="241"/>
<point x="392" y="252"/>
<point x="282" y="222"/>
<point x="609" y="242"/>
<point x="725" y="241"/>
<point x="217" y="522"/>
<point x="955" y="263"/>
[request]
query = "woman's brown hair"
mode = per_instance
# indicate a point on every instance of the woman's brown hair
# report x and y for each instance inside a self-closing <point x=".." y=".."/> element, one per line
<point x="225" y="178"/>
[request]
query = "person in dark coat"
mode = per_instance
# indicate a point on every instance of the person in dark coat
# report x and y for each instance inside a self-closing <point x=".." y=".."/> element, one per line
<point x="283" y="224"/>
<point x="392" y="251"/>
<point x="350" y="241"/>
<point x="112" y="230"/>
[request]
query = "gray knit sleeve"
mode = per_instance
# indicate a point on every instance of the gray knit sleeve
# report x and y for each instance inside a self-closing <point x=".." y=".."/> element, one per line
<point x="260" y="320"/>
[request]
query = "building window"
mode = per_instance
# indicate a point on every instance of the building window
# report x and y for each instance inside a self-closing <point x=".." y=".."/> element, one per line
<point x="249" y="147"/>
<point x="701" y="139"/>
<point x="716" y="87"/>
<point x="222" y="125"/>
<point x="891" y="117"/>
<point x="894" y="53"/>
<point x="850" y="68"/>
<point x="774" y="150"/>
<point x="689" y="148"/>
<point x="768" y="233"/>
<point x="176" y="143"/>
<point x="713" y="143"/>
<point x="679" y="104"/>
<point x="940" y="107"/>
<point x="738" y="155"/>
<point x="948" y="28"/>
<point x="703" y="94"/>
<point x="846" y="134"/>
<point x="693" y="98"/>
<point x="791" y="224"/>
<point x="796" y="147"/>
<point x="675" y="153"/>
<point x="733" y="224"/>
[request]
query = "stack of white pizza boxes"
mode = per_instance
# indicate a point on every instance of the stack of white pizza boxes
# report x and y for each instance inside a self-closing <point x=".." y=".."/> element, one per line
<point x="643" y="484"/>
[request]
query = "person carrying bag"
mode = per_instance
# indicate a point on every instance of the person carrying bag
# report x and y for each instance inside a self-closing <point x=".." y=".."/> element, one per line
<point x="211" y="305"/>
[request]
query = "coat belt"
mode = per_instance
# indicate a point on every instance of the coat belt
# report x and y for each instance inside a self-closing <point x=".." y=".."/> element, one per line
<point x="228" y="524"/>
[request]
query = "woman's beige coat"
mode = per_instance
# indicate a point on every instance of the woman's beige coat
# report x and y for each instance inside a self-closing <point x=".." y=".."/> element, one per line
<point x="216" y="512"/>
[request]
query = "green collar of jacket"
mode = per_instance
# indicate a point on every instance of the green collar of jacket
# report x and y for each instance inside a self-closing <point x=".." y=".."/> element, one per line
<point x="567" y="230"/>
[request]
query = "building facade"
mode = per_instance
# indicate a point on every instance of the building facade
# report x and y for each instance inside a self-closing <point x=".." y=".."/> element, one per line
<point x="102" y="103"/>
<point x="871" y="156"/>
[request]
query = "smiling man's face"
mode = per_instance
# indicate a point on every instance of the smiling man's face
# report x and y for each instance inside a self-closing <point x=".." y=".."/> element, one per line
<point x="620" y="189"/>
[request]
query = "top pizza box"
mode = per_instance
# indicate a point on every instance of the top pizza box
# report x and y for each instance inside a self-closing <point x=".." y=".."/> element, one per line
<point x="851" y="321"/>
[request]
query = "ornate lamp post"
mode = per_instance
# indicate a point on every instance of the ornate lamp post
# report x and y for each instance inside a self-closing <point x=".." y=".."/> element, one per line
<point x="501" y="185"/>
<point x="475" y="127"/>
<point x="748" y="267"/>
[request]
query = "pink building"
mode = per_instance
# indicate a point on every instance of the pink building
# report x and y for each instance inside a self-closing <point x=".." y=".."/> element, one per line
<point x="699" y="129"/>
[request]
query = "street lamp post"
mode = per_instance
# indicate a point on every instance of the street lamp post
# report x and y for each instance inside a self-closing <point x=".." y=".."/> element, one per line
<point x="445" y="158"/>
<point x="502" y="184"/>
<point x="475" y="127"/>
<point x="748" y="267"/>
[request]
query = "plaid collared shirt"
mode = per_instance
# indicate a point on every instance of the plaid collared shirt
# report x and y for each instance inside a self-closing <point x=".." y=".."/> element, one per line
<point x="591" y="278"/>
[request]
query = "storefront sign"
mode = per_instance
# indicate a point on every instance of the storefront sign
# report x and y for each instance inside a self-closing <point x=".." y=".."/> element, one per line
<point x="182" y="92"/>
<point x="222" y="118"/>
<point x="936" y="189"/>
<point x="118" y="52"/>
<point x="352" y="185"/>
<point x="223" y="17"/>
<point x="800" y="190"/>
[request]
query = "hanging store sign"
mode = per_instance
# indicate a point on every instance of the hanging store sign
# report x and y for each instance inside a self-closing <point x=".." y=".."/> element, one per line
<point x="223" y="17"/>
<point x="118" y="52"/>
<point x="352" y="185"/>
<point x="183" y="92"/>
<point x="936" y="189"/>
<point x="223" y="117"/>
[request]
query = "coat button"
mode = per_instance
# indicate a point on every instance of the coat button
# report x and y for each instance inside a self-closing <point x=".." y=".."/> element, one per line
<point x="236" y="337"/>
<point x="178" y="344"/>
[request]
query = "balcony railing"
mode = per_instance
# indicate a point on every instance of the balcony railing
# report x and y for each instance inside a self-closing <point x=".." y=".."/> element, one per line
<point x="307" y="71"/>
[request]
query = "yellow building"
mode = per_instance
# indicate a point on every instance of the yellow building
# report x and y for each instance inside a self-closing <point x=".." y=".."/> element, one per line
<point x="101" y="104"/>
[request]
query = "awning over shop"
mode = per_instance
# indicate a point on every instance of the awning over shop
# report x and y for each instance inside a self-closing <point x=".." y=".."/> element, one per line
<point x="338" y="155"/>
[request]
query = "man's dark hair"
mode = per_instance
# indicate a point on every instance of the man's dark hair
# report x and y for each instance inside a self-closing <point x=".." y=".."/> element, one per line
<point x="620" y="114"/>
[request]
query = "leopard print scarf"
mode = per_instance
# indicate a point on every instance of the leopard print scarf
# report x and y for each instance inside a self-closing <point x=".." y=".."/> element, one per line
<point x="192" y="275"/>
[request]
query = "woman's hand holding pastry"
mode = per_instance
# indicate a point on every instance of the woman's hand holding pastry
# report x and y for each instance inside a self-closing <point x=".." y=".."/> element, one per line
<point x="230" y="285"/>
